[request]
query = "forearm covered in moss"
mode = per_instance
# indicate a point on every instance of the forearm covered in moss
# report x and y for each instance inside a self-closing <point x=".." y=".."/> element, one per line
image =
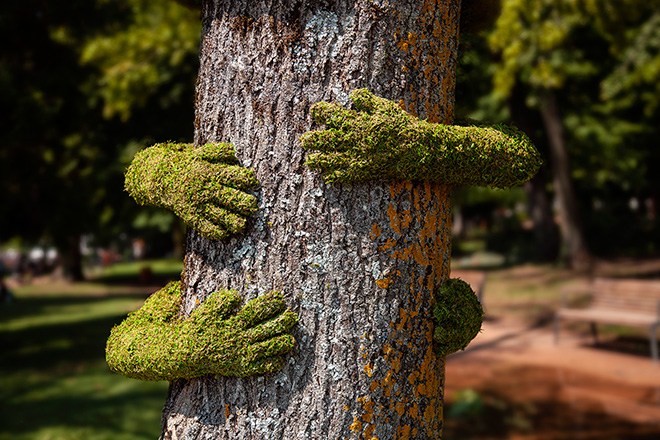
<point x="153" y="351"/>
<point x="497" y="156"/>
<point x="153" y="343"/>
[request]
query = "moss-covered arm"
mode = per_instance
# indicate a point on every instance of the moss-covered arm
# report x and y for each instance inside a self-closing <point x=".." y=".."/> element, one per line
<point x="153" y="343"/>
<point x="202" y="185"/>
<point x="380" y="141"/>
<point x="457" y="316"/>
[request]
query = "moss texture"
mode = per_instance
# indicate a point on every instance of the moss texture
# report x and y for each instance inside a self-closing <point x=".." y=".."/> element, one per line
<point x="202" y="185"/>
<point x="380" y="141"/>
<point x="458" y="316"/>
<point x="153" y="343"/>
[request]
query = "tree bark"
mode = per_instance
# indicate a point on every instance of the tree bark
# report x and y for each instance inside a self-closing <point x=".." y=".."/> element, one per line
<point x="357" y="262"/>
<point x="72" y="258"/>
<point x="574" y="249"/>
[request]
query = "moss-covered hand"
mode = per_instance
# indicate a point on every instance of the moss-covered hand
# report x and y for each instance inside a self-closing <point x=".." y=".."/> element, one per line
<point x="154" y="343"/>
<point x="202" y="185"/>
<point x="380" y="141"/>
<point x="457" y="316"/>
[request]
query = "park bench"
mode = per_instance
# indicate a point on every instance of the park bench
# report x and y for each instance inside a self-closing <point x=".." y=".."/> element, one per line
<point x="627" y="302"/>
<point x="475" y="278"/>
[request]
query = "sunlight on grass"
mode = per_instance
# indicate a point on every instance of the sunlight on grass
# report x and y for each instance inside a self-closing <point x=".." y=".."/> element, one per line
<point x="131" y="270"/>
<point x="54" y="382"/>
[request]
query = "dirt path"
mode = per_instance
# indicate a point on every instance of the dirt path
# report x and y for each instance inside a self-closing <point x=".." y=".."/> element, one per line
<point x="545" y="391"/>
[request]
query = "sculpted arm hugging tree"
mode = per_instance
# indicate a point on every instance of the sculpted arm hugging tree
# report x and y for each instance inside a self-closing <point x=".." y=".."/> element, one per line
<point x="205" y="187"/>
<point x="378" y="140"/>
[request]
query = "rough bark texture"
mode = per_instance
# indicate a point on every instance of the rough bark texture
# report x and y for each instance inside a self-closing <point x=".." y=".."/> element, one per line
<point x="356" y="262"/>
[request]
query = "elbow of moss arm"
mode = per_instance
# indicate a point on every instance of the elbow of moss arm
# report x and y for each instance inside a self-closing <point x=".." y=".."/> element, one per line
<point x="497" y="156"/>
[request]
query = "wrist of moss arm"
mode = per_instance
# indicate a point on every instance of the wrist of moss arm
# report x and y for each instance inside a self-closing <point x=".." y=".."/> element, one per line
<point x="151" y="178"/>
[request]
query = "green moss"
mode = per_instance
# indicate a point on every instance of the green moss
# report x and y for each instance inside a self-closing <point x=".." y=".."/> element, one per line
<point x="380" y="141"/>
<point x="458" y="316"/>
<point x="154" y="343"/>
<point x="202" y="185"/>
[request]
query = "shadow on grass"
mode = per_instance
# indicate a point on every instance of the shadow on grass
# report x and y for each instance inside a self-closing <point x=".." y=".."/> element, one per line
<point x="54" y="382"/>
<point x="55" y="346"/>
<point x="128" y="414"/>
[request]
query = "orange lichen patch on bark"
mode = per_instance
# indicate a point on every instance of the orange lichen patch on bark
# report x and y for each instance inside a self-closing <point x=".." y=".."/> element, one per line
<point x="366" y="426"/>
<point x="375" y="231"/>
<point x="432" y="211"/>
<point x="390" y="243"/>
<point x="431" y="59"/>
<point x="384" y="283"/>
<point x="416" y="401"/>
<point x="356" y="426"/>
<point x="396" y="224"/>
<point x="226" y="411"/>
<point x="403" y="432"/>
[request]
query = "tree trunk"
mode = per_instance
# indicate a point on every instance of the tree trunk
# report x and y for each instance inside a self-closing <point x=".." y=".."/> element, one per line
<point x="545" y="231"/>
<point x="357" y="262"/>
<point x="72" y="258"/>
<point x="574" y="250"/>
<point x="546" y="236"/>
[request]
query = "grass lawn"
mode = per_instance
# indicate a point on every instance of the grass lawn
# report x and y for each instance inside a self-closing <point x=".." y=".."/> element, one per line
<point x="54" y="382"/>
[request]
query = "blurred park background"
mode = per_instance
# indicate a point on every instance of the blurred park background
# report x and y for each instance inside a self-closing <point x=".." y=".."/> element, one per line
<point x="86" y="84"/>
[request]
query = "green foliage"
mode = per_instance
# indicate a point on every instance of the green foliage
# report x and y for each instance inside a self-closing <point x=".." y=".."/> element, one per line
<point x="155" y="344"/>
<point x="201" y="185"/>
<point x="458" y="316"/>
<point x="599" y="59"/>
<point x="150" y="56"/>
<point x="634" y="81"/>
<point x="535" y="40"/>
<point x="380" y="141"/>
<point x="61" y="168"/>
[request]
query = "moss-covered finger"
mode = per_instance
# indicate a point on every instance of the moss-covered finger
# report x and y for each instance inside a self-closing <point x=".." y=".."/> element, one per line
<point x="211" y="230"/>
<point x="278" y="325"/>
<point x="331" y="140"/>
<point x="458" y="316"/>
<point x="276" y="346"/>
<point x="262" y="309"/>
<point x="333" y="115"/>
<point x="264" y="366"/>
<point x="219" y="305"/>
<point x="163" y="305"/>
<point x="365" y="101"/>
<point x="216" y="152"/>
<point x="234" y="176"/>
<point x="235" y="200"/>
<point x="226" y="221"/>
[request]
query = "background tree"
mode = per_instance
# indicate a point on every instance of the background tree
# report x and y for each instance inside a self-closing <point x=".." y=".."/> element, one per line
<point x="87" y="83"/>
<point x="555" y="67"/>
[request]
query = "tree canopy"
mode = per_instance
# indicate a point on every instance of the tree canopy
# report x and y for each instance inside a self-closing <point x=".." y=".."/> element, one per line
<point x="86" y="84"/>
<point x="600" y="62"/>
